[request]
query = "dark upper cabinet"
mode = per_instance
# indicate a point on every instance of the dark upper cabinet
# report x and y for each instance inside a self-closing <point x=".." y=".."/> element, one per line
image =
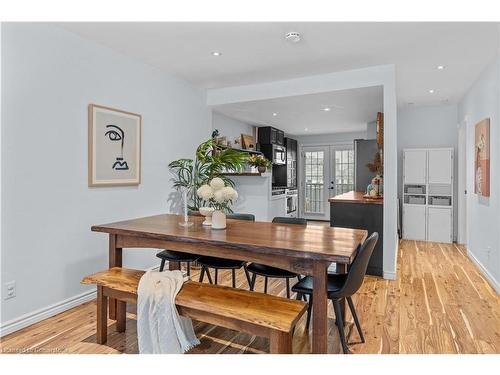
<point x="271" y="136"/>
<point x="291" y="162"/>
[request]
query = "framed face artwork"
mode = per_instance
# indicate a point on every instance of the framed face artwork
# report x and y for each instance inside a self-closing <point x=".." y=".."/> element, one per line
<point x="482" y="158"/>
<point x="114" y="147"/>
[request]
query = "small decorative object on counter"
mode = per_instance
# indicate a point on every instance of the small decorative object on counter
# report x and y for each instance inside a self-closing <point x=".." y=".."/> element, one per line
<point x="207" y="212"/>
<point x="378" y="168"/>
<point x="217" y="195"/>
<point x="260" y="162"/>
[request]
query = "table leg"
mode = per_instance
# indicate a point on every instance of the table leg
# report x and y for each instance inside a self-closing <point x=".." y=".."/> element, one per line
<point x="319" y="310"/>
<point x="115" y="260"/>
<point x="342" y="268"/>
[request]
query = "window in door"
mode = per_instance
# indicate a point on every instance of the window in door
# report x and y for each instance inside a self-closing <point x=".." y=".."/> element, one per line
<point x="344" y="171"/>
<point x="314" y="181"/>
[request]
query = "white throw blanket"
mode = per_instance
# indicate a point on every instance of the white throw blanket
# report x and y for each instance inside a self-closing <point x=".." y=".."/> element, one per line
<point x="160" y="329"/>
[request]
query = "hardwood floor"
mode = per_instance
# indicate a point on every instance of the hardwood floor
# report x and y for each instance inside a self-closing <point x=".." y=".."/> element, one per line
<point x="440" y="304"/>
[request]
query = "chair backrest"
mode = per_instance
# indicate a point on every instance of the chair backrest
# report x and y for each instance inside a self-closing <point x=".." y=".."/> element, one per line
<point x="290" y="220"/>
<point x="248" y="217"/>
<point x="357" y="270"/>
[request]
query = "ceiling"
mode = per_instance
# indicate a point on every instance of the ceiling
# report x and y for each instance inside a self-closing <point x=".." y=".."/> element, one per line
<point x="257" y="52"/>
<point x="350" y="110"/>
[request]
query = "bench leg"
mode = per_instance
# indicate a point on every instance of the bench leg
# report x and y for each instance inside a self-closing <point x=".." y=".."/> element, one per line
<point x="121" y="315"/>
<point x="102" y="316"/>
<point x="280" y="342"/>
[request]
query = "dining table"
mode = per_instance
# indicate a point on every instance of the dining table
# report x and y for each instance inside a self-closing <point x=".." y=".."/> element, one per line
<point x="305" y="250"/>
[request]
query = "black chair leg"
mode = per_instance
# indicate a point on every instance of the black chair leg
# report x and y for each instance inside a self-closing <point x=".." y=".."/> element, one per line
<point x="234" y="277"/>
<point x="189" y="268"/>
<point x="216" y="275"/>
<point x="252" y="282"/>
<point x="340" y="324"/>
<point x="247" y="274"/>
<point x="202" y="274"/>
<point x="265" y="284"/>
<point x="162" y="265"/>
<point x="309" y="310"/>
<point x="356" y="320"/>
<point x="287" y="287"/>
<point x="208" y="275"/>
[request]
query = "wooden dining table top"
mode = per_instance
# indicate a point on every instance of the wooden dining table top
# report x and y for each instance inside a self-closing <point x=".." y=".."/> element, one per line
<point x="298" y="241"/>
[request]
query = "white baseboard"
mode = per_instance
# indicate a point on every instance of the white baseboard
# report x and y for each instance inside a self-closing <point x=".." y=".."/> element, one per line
<point x="389" y="275"/>
<point x="494" y="283"/>
<point x="45" y="313"/>
<point x="49" y="311"/>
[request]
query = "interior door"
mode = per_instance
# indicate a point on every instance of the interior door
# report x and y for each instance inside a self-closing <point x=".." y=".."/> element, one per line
<point x="342" y="169"/>
<point x="315" y="182"/>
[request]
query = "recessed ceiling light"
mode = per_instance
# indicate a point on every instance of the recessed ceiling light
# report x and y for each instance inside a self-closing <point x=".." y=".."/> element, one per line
<point x="216" y="53"/>
<point x="327" y="109"/>
<point x="440" y="67"/>
<point x="275" y="114"/>
<point x="306" y="129"/>
<point x="292" y="37"/>
<point x="431" y="91"/>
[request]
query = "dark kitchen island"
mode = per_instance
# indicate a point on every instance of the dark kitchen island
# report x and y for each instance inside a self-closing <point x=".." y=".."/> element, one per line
<point x="353" y="210"/>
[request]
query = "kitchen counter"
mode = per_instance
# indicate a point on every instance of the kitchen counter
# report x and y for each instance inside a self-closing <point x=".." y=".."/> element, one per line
<point x="355" y="197"/>
<point x="352" y="210"/>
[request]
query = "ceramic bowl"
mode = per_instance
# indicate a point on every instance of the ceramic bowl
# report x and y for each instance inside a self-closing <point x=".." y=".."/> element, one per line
<point x="207" y="212"/>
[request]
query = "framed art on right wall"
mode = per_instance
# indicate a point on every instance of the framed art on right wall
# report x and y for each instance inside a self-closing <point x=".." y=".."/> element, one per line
<point x="482" y="158"/>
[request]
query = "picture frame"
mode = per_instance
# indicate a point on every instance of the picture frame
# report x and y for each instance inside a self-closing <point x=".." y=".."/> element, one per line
<point x="114" y="147"/>
<point x="247" y="142"/>
<point x="482" y="158"/>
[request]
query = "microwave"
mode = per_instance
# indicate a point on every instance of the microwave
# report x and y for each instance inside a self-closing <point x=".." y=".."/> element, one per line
<point x="275" y="153"/>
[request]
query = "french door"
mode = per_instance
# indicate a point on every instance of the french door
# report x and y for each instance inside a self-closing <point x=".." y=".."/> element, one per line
<point x="326" y="171"/>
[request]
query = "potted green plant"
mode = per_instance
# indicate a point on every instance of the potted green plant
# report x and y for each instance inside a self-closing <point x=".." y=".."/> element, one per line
<point x="260" y="162"/>
<point x="211" y="160"/>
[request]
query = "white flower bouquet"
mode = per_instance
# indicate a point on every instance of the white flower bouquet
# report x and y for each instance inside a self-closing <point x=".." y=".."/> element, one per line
<point x="217" y="195"/>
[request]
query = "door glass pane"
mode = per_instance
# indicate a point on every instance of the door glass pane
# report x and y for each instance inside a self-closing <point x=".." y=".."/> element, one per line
<point x="344" y="171"/>
<point x="314" y="200"/>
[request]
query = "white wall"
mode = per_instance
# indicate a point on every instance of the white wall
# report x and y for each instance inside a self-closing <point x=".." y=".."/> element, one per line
<point x="383" y="75"/>
<point x="480" y="102"/>
<point x="426" y="127"/>
<point x="49" y="76"/>
<point x="230" y="127"/>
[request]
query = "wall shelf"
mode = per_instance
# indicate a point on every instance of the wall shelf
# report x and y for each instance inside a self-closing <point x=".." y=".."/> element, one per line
<point x="242" y="174"/>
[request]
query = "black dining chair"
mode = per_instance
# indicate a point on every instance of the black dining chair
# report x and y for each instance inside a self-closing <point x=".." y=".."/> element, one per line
<point x="220" y="263"/>
<point x="177" y="256"/>
<point x="273" y="272"/>
<point x="342" y="286"/>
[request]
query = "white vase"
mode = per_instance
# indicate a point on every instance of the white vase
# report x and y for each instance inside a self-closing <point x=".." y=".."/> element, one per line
<point x="218" y="220"/>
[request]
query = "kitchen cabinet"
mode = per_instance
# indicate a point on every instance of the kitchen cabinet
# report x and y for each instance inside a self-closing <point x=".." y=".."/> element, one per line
<point x="267" y="135"/>
<point x="415" y="166"/>
<point x="291" y="163"/>
<point x="428" y="194"/>
<point x="414" y="222"/>
<point x="440" y="169"/>
<point x="439" y="224"/>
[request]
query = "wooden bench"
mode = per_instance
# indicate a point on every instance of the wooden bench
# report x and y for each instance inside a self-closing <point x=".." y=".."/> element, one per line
<point x="250" y="312"/>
